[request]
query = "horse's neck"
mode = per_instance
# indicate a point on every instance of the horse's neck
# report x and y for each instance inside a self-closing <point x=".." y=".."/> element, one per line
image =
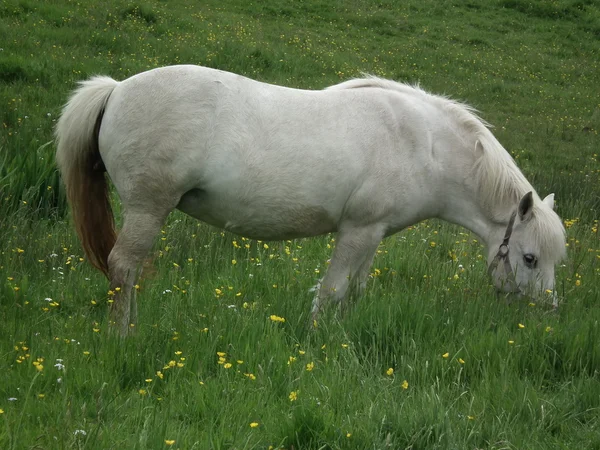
<point x="464" y="210"/>
<point x="463" y="204"/>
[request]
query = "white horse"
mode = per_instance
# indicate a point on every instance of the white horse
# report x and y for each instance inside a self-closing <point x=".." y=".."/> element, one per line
<point x="365" y="158"/>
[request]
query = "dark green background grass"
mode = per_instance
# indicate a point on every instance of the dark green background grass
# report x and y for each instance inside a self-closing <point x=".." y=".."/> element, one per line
<point x="530" y="67"/>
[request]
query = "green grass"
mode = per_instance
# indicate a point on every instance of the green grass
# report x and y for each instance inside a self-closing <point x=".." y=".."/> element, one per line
<point x="530" y="66"/>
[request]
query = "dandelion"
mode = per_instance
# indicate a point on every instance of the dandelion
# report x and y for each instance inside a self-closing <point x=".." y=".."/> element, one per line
<point x="460" y="360"/>
<point x="142" y="392"/>
<point x="348" y="435"/>
<point x="275" y="318"/>
<point x="1" y="411"/>
<point x="293" y="396"/>
<point x="169" y="442"/>
<point x="445" y="355"/>
<point x="521" y="326"/>
<point x="389" y="372"/>
<point x="148" y="380"/>
<point x="160" y="375"/>
<point x="548" y="329"/>
<point x="250" y="376"/>
<point x="511" y="342"/>
<point x="577" y="282"/>
<point x="254" y="424"/>
<point x="310" y="366"/>
<point x="41" y="396"/>
<point x="227" y="365"/>
<point x="234" y="262"/>
<point x="405" y="384"/>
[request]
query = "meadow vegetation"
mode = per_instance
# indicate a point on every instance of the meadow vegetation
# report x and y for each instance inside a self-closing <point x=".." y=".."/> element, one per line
<point x="222" y="357"/>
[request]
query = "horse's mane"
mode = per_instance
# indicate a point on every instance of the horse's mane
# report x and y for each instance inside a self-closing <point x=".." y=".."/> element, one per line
<point x="500" y="184"/>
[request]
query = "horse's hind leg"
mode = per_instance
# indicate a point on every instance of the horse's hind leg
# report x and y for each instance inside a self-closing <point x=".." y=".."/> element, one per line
<point x="349" y="264"/>
<point x="135" y="240"/>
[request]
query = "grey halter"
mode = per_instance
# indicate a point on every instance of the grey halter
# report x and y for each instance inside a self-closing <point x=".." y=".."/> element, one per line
<point x="503" y="253"/>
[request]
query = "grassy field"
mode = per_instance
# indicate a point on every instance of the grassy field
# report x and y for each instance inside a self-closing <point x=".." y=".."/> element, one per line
<point x="428" y="358"/>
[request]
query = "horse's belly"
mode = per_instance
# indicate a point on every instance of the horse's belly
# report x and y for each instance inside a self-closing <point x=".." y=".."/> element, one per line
<point x="256" y="219"/>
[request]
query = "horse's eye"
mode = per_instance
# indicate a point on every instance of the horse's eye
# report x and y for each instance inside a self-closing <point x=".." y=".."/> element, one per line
<point x="530" y="260"/>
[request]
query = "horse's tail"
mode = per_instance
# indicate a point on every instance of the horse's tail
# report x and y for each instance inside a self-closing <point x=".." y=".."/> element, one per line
<point x="83" y="171"/>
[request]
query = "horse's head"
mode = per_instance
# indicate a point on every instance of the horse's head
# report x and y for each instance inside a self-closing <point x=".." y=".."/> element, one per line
<point x="522" y="257"/>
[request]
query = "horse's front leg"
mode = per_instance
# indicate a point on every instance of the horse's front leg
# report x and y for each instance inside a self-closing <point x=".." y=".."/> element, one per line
<point x="354" y="251"/>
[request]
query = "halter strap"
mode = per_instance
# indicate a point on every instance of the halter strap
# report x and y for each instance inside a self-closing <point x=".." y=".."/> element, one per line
<point x="503" y="251"/>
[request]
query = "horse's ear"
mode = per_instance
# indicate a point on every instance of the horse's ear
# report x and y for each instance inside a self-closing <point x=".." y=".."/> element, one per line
<point x="549" y="201"/>
<point x="479" y="150"/>
<point x="526" y="207"/>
